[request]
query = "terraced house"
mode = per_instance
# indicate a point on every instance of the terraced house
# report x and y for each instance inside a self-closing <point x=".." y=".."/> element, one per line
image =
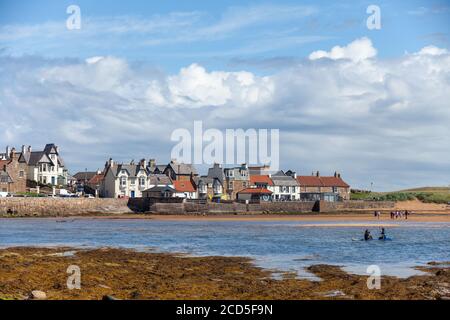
<point x="236" y="179"/>
<point x="327" y="188"/>
<point x="130" y="180"/>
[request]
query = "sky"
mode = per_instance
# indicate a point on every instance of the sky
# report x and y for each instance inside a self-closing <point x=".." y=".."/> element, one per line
<point x="373" y="104"/>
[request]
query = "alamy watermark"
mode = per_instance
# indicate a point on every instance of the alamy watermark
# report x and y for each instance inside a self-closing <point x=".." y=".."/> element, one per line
<point x="74" y="280"/>
<point x="374" y="280"/>
<point x="232" y="146"/>
<point x="374" y="20"/>
<point x="73" y="22"/>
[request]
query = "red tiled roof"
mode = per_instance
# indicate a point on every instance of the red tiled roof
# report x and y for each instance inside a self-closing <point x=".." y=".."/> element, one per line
<point x="261" y="179"/>
<point x="314" y="181"/>
<point x="183" y="186"/>
<point x="256" y="191"/>
<point x="333" y="182"/>
<point x="97" y="179"/>
<point x="309" y="181"/>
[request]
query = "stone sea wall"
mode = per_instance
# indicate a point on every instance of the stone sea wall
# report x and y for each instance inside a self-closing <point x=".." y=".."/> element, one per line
<point x="42" y="207"/>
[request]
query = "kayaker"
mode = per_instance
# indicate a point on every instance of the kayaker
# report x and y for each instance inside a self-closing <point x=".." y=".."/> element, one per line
<point x="367" y="235"/>
<point x="383" y="234"/>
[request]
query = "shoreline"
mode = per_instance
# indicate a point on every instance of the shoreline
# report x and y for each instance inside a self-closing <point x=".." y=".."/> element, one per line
<point x="130" y="274"/>
<point x="301" y="217"/>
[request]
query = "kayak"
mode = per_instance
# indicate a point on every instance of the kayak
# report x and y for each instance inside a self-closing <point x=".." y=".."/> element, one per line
<point x="385" y="239"/>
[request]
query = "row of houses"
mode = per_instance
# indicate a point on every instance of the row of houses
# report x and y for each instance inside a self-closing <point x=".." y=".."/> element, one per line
<point x="147" y="179"/>
<point x="19" y="169"/>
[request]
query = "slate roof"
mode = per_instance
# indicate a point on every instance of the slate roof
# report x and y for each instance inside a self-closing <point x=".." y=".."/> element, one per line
<point x="182" y="168"/>
<point x="281" y="179"/>
<point x="159" y="179"/>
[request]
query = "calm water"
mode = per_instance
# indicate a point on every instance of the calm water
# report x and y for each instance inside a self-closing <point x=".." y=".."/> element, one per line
<point x="286" y="246"/>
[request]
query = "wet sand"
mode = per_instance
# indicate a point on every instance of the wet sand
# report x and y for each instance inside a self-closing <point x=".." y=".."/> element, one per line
<point x="322" y="217"/>
<point x="127" y="274"/>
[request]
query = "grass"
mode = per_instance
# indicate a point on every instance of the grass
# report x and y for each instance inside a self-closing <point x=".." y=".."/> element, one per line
<point x="426" y="194"/>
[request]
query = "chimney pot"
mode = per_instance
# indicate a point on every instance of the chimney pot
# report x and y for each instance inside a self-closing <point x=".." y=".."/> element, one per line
<point x="318" y="174"/>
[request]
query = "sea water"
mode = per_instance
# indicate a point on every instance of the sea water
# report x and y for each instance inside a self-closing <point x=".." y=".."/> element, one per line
<point x="286" y="246"/>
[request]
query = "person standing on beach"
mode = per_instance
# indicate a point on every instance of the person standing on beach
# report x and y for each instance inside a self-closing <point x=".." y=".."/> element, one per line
<point x="406" y="215"/>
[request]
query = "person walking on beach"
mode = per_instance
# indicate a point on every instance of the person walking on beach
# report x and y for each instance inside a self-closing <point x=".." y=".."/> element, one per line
<point x="406" y="215"/>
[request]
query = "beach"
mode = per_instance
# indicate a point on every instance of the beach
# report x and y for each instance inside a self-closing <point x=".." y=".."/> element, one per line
<point x="128" y="274"/>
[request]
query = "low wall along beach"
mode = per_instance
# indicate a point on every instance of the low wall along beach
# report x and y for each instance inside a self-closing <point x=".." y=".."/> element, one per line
<point x="51" y="207"/>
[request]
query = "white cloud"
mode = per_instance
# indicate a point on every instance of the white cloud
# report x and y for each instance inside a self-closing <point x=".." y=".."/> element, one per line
<point x="376" y="120"/>
<point x="357" y="50"/>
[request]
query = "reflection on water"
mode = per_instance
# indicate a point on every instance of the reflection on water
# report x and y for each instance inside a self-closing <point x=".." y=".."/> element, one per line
<point x="281" y="245"/>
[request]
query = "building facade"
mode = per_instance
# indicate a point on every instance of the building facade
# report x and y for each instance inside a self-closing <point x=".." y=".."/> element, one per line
<point x="236" y="179"/>
<point x="13" y="172"/>
<point x="46" y="166"/>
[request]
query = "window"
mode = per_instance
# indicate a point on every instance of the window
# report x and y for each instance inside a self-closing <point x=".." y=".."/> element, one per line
<point x="335" y="189"/>
<point x="230" y="185"/>
<point x="244" y="184"/>
<point x="123" y="181"/>
<point x="21" y="174"/>
<point x="133" y="181"/>
<point x="142" y="181"/>
<point x="293" y="189"/>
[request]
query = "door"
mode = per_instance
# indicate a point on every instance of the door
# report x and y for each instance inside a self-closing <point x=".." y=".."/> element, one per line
<point x="132" y="194"/>
<point x="53" y="181"/>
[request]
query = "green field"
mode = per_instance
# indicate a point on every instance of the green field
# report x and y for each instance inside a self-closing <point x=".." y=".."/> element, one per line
<point x="425" y="194"/>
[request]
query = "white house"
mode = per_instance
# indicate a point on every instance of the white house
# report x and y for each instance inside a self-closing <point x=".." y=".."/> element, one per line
<point x="45" y="166"/>
<point x="130" y="180"/>
<point x="285" y="187"/>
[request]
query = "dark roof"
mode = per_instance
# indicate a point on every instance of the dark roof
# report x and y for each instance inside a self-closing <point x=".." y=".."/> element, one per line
<point x="280" y="178"/>
<point x="182" y="168"/>
<point x="5" y="176"/>
<point x="216" y="172"/>
<point x="160" y="189"/>
<point x="85" y="175"/>
<point x="159" y="179"/>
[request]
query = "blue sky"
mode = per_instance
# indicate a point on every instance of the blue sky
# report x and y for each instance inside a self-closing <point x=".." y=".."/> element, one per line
<point x="372" y="104"/>
<point x="175" y="33"/>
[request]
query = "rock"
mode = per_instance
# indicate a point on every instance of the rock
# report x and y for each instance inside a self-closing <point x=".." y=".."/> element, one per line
<point x="444" y="298"/>
<point x="37" y="295"/>
<point x="109" y="298"/>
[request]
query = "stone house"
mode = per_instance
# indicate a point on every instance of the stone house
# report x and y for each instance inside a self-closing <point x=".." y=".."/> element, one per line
<point x="328" y="188"/>
<point x="180" y="171"/>
<point x="236" y="179"/>
<point x="211" y="186"/>
<point x="13" y="172"/>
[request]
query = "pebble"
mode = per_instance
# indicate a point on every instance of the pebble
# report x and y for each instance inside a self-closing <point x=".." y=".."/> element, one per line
<point x="38" y="295"/>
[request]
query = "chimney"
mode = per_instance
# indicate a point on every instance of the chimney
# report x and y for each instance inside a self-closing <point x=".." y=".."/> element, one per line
<point x="23" y="149"/>
<point x="29" y="149"/>
<point x="8" y="151"/>
<point x="335" y="174"/>
<point x="318" y="174"/>
<point x="152" y="163"/>
<point x="111" y="162"/>
<point x="143" y="163"/>
<point x="132" y="162"/>
<point x="339" y="175"/>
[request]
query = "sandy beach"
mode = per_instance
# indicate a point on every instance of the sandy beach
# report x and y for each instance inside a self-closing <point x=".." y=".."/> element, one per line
<point x="127" y="274"/>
